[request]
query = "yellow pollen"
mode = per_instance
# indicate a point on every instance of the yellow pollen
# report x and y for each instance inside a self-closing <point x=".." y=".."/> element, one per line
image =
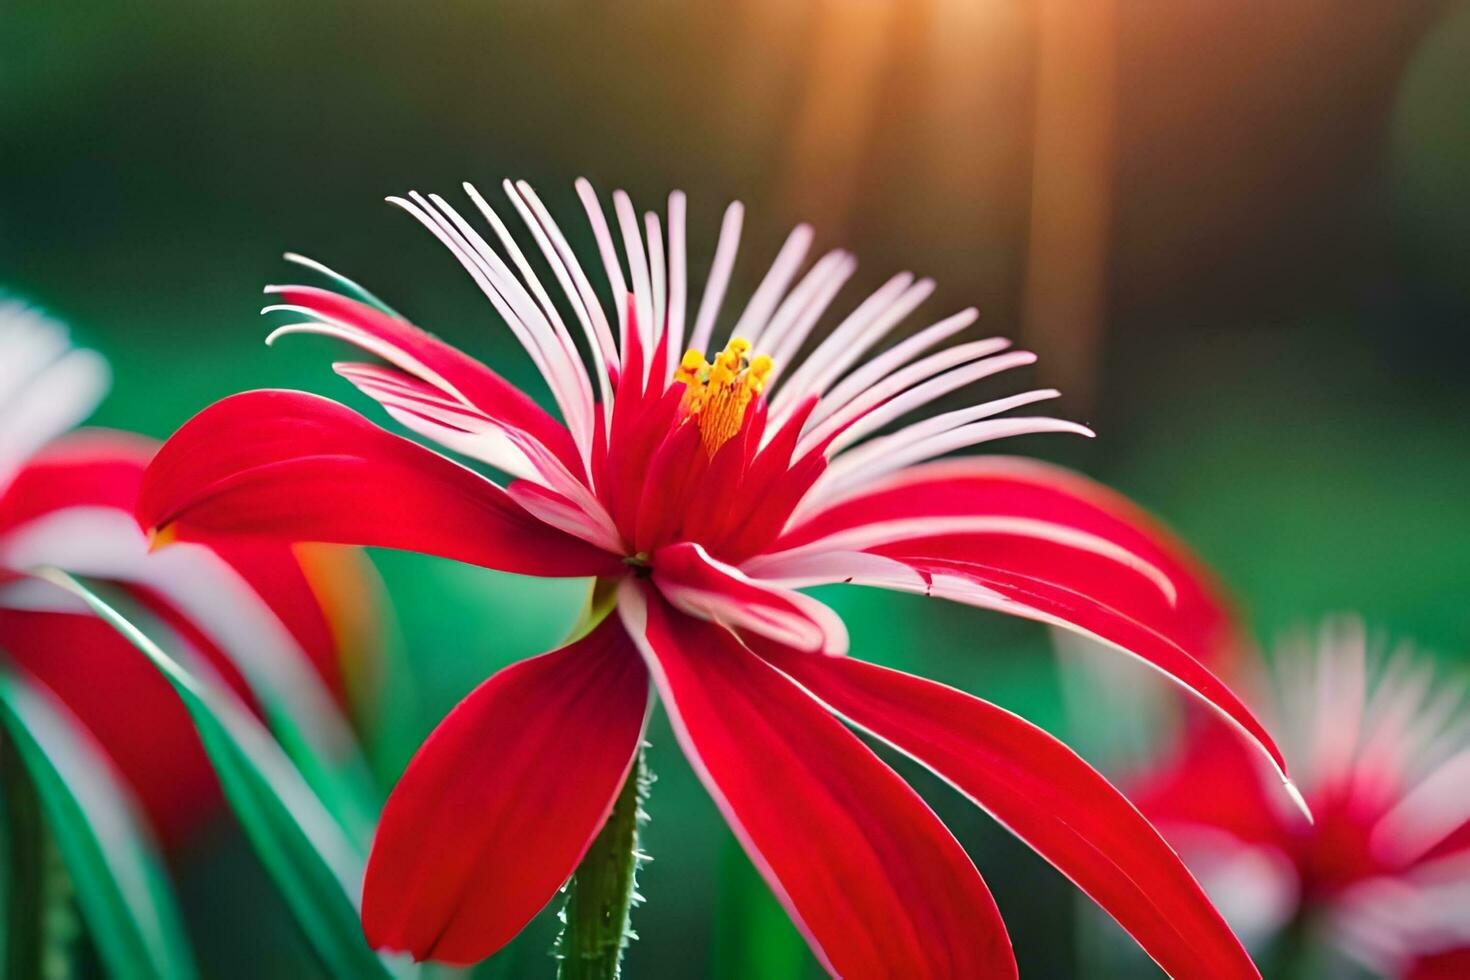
<point x="161" y="537"/>
<point x="718" y="393"/>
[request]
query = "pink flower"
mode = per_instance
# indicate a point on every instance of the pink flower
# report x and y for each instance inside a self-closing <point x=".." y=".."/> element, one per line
<point x="702" y="494"/>
<point x="255" y="615"/>
<point x="1384" y="758"/>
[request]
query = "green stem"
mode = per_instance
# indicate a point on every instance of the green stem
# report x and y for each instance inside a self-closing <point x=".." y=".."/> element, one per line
<point x="25" y="867"/>
<point x="1293" y="954"/>
<point x="42" y="930"/>
<point x="602" y="891"/>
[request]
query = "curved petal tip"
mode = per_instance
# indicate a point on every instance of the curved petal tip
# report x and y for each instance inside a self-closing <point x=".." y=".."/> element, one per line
<point x="1298" y="800"/>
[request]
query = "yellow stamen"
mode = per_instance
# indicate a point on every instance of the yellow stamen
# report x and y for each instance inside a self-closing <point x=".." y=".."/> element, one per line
<point x="719" y="393"/>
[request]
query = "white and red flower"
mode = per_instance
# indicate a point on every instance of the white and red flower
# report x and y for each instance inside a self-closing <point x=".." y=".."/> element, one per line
<point x="1382" y="750"/>
<point x="702" y="494"/>
<point x="259" y="616"/>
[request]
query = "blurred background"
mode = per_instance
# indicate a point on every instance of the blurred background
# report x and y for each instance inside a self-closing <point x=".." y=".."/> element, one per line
<point x="1238" y="234"/>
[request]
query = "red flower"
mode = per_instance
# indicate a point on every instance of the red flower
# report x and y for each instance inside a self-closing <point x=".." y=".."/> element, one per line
<point x="1446" y="964"/>
<point x="1384" y="872"/>
<point x="253" y="614"/>
<point x="702" y="495"/>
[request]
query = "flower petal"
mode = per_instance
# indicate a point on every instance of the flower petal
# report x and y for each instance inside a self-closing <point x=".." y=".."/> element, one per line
<point x="1452" y="963"/>
<point x="1043" y="793"/>
<point x="293" y="466"/>
<point x="697" y="584"/>
<point x="1046" y="600"/>
<point x="278" y="576"/>
<point x="1212" y="780"/>
<point x="864" y="868"/>
<point x="424" y="409"/>
<point x="87" y="468"/>
<point x="1055" y="555"/>
<point x="503" y="799"/>
<point x="428" y="358"/>
<point x="93" y="476"/>
<point x="249" y="613"/>
<point x="1200" y="620"/>
<point x="1022" y="544"/>
<point x="464" y="429"/>
<point x="450" y="421"/>
<point x="209" y="600"/>
<point x="162" y="760"/>
<point x="46" y="386"/>
<point x="1060" y="605"/>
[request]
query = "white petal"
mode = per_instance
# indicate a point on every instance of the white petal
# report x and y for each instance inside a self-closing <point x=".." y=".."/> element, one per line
<point x="719" y="276"/>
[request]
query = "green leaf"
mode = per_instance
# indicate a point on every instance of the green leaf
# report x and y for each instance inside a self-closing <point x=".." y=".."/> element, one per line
<point x="115" y="869"/>
<point x="23" y="880"/>
<point x="300" y="713"/>
<point x="303" y="847"/>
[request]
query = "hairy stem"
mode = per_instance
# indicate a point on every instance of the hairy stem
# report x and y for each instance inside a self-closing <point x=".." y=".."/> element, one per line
<point x="603" y="890"/>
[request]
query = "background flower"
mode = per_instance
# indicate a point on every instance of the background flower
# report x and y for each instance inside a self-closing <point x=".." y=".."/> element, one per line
<point x="1381" y="747"/>
<point x="255" y="617"/>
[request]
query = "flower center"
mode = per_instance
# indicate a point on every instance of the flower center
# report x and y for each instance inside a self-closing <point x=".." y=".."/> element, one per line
<point x="717" y="394"/>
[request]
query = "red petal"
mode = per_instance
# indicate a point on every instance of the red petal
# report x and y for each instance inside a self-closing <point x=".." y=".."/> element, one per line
<point x="135" y="715"/>
<point x="465" y="376"/>
<point x="670" y="482"/>
<point x="696" y="584"/>
<point x="275" y="573"/>
<point x="772" y="488"/>
<point x="503" y="799"/>
<point x="1059" y="605"/>
<point x="297" y="467"/>
<point x="1213" y="780"/>
<point x="1200" y="621"/>
<point x="722" y="487"/>
<point x="1448" y="964"/>
<point x="1043" y="600"/>
<point x="90" y="468"/>
<point x="1455" y="842"/>
<point x="431" y="413"/>
<point x="1043" y="793"/>
<point x="864" y="868"/>
<point x="1046" y="577"/>
<point x="100" y="468"/>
